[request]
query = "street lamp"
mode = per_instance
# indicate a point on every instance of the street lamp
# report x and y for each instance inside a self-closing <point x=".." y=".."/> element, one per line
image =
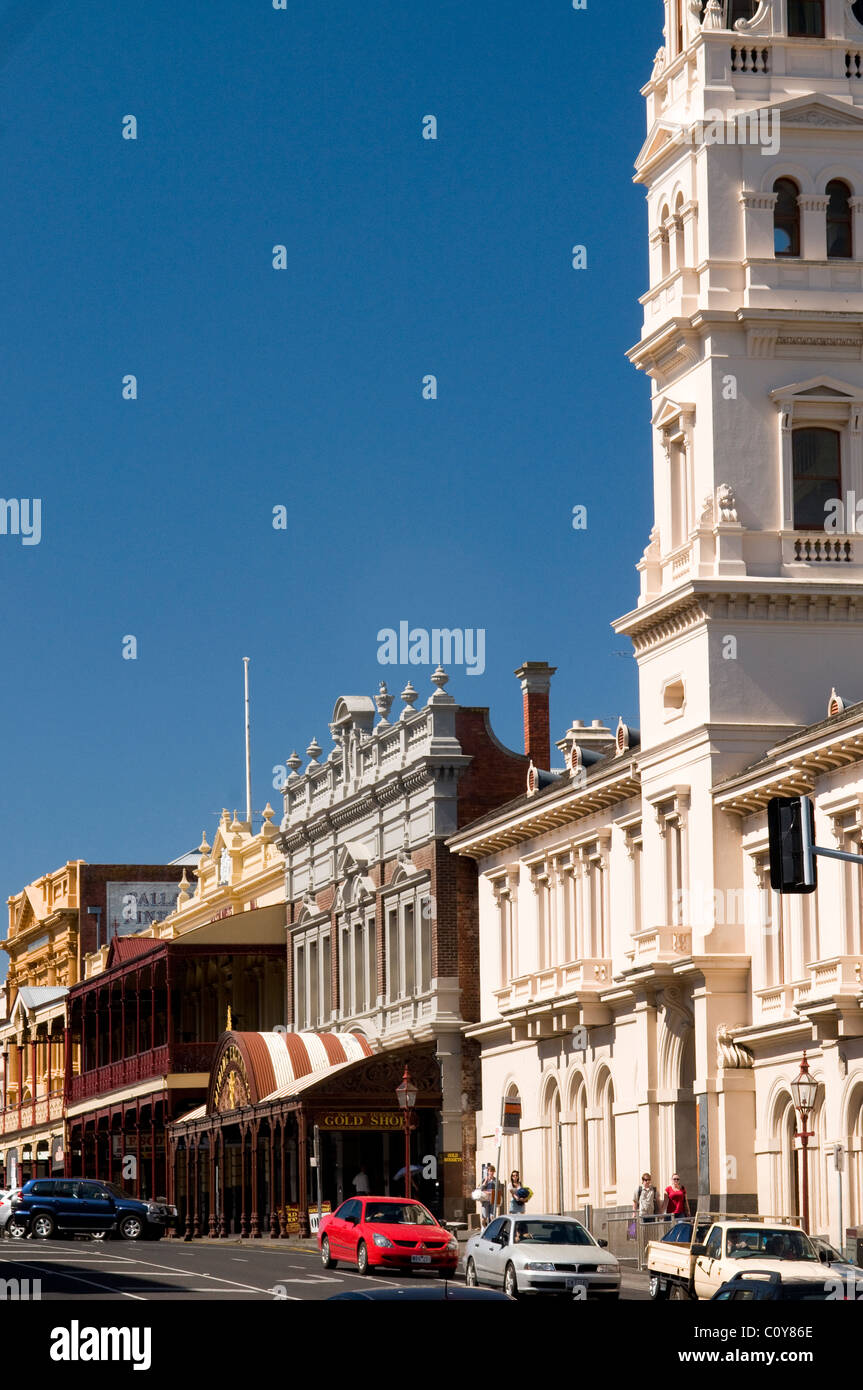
<point x="407" y="1095"/>
<point x="805" y="1090"/>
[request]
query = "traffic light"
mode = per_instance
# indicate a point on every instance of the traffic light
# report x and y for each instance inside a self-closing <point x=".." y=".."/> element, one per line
<point x="791" y="828"/>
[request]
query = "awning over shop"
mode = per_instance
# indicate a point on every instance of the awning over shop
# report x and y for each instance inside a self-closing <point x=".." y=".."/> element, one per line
<point x="253" y="1067"/>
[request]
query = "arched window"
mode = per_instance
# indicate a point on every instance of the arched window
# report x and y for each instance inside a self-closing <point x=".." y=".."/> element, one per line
<point x="806" y="19"/>
<point x="786" y="218"/>
<point x="608" y="1136"/>
<point x="857" y="11"/>
<point x="666" y="247"/>
<point x="839" y="238"/>
<point x="817" y="462"/>
<point x="581" y="1145"/>
<point x="679" y="238"/>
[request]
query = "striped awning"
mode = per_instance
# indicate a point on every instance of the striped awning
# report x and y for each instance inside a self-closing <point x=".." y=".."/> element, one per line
<point x="254" y="1067"/>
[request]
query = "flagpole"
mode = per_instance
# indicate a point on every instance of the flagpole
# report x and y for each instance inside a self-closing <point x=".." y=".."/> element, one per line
<point x="248" y="753"/>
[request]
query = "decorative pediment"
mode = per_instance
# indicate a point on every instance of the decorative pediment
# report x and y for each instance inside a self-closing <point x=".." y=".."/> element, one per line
<point x="665" y="134"/>
<point x="667" y="412"/>
<point x="818" y="388"/>
<point x="819" y="112"/>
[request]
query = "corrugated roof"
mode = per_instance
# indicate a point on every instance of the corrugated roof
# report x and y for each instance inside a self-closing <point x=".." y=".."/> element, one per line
<point x="32" y="996"/>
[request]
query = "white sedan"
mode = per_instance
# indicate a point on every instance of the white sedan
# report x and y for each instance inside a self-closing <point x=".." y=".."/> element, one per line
<point x="542" y="1254"/>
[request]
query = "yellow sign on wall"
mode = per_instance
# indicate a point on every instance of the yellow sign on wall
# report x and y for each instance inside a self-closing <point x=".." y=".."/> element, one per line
<point x="360" y="1119"/>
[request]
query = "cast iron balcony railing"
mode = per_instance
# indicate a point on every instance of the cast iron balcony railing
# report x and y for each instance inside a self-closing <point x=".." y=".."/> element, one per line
<point x="183" y="1058"/>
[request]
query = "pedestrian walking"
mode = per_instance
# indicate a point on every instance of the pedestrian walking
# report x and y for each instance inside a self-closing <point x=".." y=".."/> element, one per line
<point x="488" y="1188"/>
<point x="676" y="1201"/>
<point x="518" y="1193"/>
<point x="646" y="1201"/>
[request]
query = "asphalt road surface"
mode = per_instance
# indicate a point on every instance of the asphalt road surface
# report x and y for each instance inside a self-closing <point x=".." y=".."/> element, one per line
<point x="83" y="1269"/>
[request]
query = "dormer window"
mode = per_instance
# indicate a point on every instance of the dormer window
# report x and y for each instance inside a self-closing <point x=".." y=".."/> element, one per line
<point x="816" y="455"/>
<point x="786" y="218"/>
<point x="839" y="238"/>
<point x="806" y="19"/>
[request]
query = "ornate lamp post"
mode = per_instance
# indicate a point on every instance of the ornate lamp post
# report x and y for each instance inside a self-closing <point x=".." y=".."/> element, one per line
<point x="407" y="1095"/>
<point x="805" y="1091"/>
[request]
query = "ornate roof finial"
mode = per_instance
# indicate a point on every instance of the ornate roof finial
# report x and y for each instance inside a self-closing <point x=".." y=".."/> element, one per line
<point x="384" y="703"/>
<point x="439" y="678"/>
<point x="203" y="847"/>
<point x="313" y="752"/>
<point x="410" y="697"/>
<point x="294" y="762"/>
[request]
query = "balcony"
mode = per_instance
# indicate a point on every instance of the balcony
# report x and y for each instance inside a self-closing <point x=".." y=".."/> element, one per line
<point x="40" y="1111"/>
<point x="660" y="946"/>
<point x="817" y="548"/>
<point x="578" y="977"/>
<point x="182" y="1058"/>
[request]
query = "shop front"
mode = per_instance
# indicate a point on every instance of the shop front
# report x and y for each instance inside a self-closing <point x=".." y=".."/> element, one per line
<point x="294" y="1123"/>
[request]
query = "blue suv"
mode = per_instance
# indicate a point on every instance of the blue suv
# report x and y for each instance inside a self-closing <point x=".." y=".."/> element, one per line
<point x="47" y="1206"/>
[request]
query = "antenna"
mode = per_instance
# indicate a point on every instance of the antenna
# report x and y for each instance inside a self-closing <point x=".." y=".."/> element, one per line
<point x="248" y="756"/>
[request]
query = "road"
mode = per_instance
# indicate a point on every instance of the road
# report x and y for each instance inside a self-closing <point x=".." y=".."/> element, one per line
<point x="72" y="1270"/>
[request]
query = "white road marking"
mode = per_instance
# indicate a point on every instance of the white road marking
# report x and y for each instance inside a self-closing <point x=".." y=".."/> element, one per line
<point x="76" y="1278"/>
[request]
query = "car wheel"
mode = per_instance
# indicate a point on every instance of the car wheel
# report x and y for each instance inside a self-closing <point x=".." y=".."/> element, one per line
<point x="326" y="1258"/>
<point x="132" y="1228"/>
<point x="678" y="1294"/>
<point x="510" y="1283"/>
<point x="470" y="1278"/>
<point x="655" y="1289"/>
<point x="362" y="1258"/>
<point x="16" y="1228"/>
<point x="43" y="1226"/>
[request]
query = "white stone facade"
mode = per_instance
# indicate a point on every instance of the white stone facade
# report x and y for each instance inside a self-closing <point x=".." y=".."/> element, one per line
<point x="631" y="899"/>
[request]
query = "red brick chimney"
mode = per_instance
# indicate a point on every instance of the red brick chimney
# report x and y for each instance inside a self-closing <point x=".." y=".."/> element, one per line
<point x="535" y="677"/>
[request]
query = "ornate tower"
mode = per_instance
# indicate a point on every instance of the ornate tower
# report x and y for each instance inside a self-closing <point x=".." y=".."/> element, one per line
<point x="751" y="601"/>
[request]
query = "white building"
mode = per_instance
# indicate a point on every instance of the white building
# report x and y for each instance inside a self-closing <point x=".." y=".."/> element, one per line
<point x="629" y="895"/>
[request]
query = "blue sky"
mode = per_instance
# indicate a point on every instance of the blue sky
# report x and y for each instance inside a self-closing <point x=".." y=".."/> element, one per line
<point x="259" y="388"/>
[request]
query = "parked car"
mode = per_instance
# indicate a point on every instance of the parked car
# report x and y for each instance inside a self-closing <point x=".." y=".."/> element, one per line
<point x="541" y="1255"/>
<point x="758" y="1286"/>
<point x="47" y="1206"/>
<point x="8" y="1196"/>
<point x="425" y="1293"/>
<point x="386" y="1233"/>
<point x="669" y="1259"/>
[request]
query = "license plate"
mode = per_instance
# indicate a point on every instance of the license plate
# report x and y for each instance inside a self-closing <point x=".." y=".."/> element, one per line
<point x="420" y="1259"/>
<point x="575" y="1283"/>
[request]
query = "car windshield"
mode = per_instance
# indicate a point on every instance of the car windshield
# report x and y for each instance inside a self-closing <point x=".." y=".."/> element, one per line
<point x="551" y="1233"/>
<point x="398" y="1214"/>
<point x="769" y="1244"/>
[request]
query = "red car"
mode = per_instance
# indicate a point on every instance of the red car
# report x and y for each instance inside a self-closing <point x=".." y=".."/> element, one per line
<point x="386" y="1233"/>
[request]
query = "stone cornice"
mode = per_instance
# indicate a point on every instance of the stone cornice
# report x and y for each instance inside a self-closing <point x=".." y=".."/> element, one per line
<point x="751" y="599"/>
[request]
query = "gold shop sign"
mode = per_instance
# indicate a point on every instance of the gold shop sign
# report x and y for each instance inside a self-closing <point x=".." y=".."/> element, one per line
<point x="360" y="1119"/>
